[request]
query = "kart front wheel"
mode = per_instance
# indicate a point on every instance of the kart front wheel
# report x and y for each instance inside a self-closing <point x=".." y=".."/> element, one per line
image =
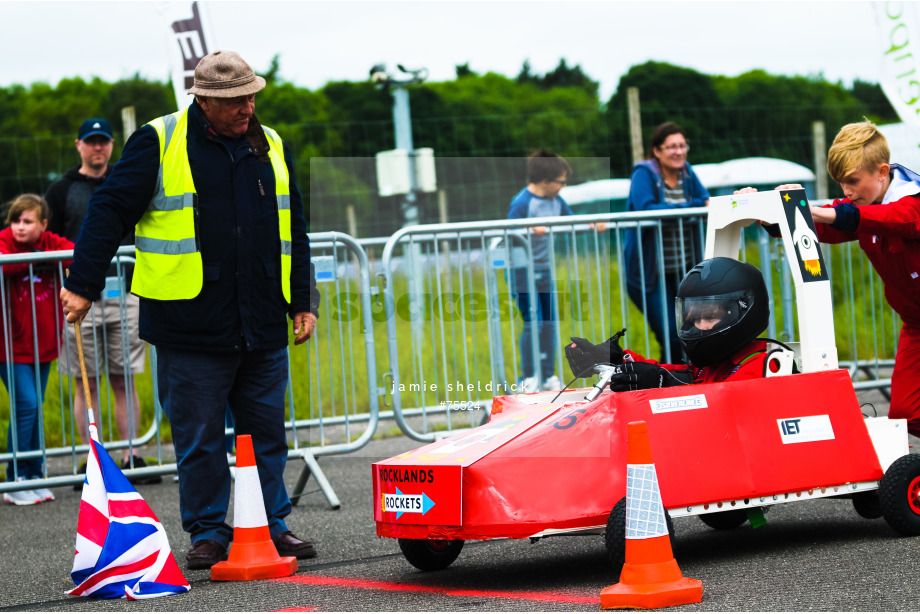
<point x="724" y="521"/>
<point x="615" y="535"/>
<point x="431" y="554"/>
<point x="867" y="505"/>
<point x="899" y="495"/>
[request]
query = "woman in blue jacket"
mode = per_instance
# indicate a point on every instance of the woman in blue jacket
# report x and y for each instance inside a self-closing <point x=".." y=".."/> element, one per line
<point x="665" y="181"/>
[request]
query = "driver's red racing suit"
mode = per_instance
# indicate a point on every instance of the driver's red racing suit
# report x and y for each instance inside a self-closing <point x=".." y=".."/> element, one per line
<point x="746" y="363"/>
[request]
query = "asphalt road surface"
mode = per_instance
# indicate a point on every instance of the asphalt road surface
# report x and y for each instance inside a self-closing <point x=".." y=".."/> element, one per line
<point x="811" y="556"/>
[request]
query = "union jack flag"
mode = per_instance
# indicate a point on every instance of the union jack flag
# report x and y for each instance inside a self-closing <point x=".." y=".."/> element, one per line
<point x="122" y="549"/>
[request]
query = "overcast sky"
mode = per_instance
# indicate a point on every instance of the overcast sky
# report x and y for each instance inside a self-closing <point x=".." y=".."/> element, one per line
<point x="319" y="41"/>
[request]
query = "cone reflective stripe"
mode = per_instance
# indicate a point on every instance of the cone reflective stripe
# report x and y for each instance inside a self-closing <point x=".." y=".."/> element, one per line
<point x="650" y="578"/>
<point x="249" y="521"/>
<point x="253" y="555"/>
<point x="644" y="511"/>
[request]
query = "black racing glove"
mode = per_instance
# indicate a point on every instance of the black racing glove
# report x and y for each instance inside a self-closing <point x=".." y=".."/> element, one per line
<point x="644" y="375"/>
<point x="583" y="355"/>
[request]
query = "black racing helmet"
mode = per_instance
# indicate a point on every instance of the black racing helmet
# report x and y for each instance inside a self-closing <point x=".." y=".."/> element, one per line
<point x="721" y="305"/>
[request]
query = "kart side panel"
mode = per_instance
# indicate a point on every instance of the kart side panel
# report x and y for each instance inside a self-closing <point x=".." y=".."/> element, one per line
<point x="735" y="448"/>
<point x="534" y="481"/>
<point x="561" y="475"/>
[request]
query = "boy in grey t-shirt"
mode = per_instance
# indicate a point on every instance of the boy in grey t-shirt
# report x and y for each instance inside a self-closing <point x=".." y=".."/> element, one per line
<point x="547" y="174"/>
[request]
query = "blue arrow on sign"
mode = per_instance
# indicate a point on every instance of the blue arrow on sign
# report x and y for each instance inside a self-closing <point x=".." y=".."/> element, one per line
<point x="427" y="504"/>
<point x="408" y="504"/>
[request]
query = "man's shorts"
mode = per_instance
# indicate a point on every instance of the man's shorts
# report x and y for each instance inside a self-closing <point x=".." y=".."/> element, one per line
<point x="101" y="330"/>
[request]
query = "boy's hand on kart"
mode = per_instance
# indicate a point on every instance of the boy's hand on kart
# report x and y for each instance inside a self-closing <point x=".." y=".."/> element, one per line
<point x="643" y="375"/>
<point x="583" y="355"/>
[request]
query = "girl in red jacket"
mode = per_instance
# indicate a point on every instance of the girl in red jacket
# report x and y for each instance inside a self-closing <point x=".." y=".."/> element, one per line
<point x="27" y="284"/>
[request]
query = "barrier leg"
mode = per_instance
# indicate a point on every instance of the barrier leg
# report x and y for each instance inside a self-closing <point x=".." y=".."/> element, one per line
<point x="311" y="467"/>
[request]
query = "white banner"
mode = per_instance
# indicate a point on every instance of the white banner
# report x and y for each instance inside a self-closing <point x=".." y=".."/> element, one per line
<point x="899" y="37"/>
<point x="190" y="39"/>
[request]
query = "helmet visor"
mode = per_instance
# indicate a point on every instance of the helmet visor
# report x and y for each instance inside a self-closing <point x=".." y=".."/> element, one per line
<point x="710" y="313"/>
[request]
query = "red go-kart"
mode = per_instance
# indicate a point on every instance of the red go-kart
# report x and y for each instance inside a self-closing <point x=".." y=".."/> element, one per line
<point x="723" y="452"/>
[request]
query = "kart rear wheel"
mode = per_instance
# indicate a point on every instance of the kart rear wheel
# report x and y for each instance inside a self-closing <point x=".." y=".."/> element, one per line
<point x="724" y="521"/>
<point x="899" y="495"/>
<point x="867" y="505"/>
<point x="615" y="535"/>
<point x="431" y="554"/>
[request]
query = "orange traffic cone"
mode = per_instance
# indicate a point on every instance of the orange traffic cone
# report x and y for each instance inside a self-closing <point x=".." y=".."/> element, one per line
<point x="253" y="555"/>
<point x="650" y="578"/>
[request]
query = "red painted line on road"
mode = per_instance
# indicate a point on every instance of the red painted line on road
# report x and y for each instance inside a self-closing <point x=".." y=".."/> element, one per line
<point x="377" y="585"/>
<point x="304" y="609"/>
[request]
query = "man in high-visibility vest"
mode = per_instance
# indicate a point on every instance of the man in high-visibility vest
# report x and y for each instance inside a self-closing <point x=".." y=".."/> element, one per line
<point x="222" y="260"/>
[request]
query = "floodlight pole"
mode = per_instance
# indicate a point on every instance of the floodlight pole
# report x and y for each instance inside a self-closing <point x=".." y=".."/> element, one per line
<point x="402" y="126"/>
<point x="402" y="123"/>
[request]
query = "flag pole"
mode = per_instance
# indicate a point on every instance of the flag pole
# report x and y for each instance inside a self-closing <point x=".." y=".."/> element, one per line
<point x="87" y="399"/>
<point x="86" y="395"/>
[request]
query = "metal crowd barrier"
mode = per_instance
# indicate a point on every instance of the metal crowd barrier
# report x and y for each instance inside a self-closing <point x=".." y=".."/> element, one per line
<point x="441" y="364"/>
<point x="341" y="413"/>
<point x="329" y="407"/>
<point x="452" y="329"/>
<point x="50" y="263"/>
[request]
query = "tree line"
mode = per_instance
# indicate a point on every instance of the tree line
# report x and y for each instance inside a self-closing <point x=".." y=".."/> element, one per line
<point x="476" y="117"/>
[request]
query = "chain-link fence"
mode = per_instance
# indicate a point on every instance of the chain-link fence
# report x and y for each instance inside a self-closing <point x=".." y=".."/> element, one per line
<point x="716" y="134"/>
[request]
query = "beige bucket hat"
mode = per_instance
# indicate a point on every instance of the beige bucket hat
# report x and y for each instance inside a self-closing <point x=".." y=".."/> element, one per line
<point x="224" y="74"/>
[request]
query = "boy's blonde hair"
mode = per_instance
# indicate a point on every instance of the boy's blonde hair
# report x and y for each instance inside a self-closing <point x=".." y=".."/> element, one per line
<point x="27" y="202"/>
<point x="857" y="146"/>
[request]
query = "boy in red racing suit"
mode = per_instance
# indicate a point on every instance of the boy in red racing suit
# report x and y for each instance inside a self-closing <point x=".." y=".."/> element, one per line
<point x="881" y="210"/>
<point x="722" y="305"/>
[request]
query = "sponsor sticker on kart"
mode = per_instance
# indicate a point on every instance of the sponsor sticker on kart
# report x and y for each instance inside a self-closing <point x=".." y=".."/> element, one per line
<point x="805" y="429"/>
<point x="414" y="494"/>
<point x="694" y="401"/>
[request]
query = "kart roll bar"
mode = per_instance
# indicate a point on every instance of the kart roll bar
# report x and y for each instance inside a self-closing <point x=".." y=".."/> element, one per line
<point x="789" y="210"/>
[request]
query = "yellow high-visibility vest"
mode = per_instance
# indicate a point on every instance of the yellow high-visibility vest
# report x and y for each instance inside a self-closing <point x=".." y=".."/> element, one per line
<point x="169" y="265"/>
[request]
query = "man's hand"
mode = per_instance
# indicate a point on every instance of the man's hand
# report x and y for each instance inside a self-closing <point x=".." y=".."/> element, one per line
<point x="772" y="229"/>
<point x="75" y="306"/>
<point x="643" y="375"/>
<point x="824" y="215"/>
<point x="304" y="325"/>
<point x="583" y="355"/>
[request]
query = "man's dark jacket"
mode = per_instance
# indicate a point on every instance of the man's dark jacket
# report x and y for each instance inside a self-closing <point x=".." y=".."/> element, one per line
<point x="241" y="304"/>
<point x="68" y="199"/>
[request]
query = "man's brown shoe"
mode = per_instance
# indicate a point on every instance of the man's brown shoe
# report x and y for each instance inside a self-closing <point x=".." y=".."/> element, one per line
<point x="204" y="554"/>
<point x="289" y="544"/>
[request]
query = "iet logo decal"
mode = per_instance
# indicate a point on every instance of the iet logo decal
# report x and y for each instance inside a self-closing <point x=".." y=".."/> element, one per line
<point x="805" y="429"/>
<point x="407" y="504"/>
<point x="790" y="426"/>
